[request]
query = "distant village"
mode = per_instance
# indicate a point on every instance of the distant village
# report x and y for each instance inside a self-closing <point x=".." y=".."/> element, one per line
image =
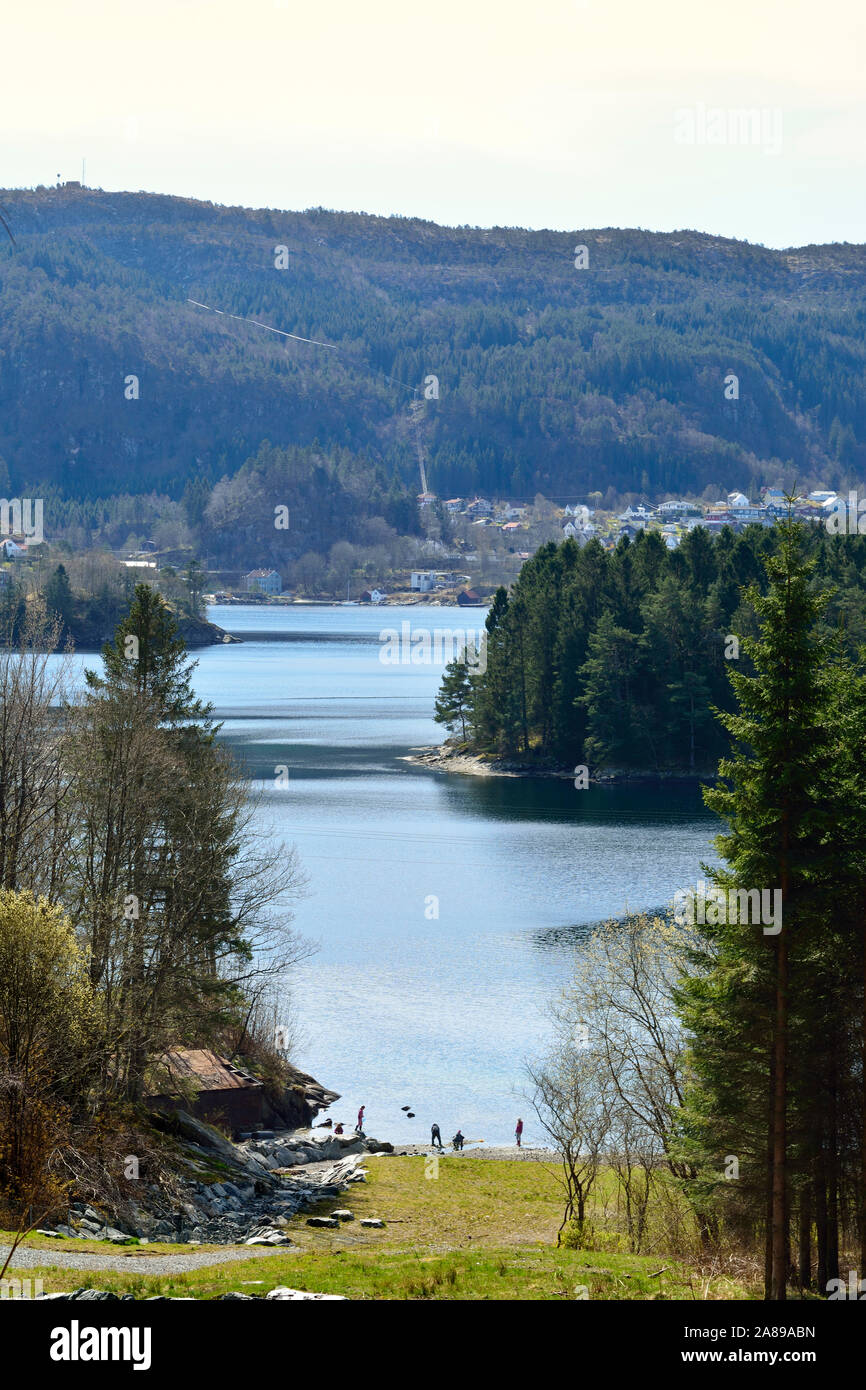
<point x="470" y="546"/>
<point x="512" y="531"/>
<point x="675" y="517"/>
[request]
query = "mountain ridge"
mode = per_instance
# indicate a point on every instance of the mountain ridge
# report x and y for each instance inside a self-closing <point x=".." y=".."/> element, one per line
<point x="552" y="379"/>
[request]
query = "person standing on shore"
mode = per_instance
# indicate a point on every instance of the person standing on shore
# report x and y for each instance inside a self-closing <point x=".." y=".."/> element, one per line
<point x="518" y="1132"/>
<point x="435" y="1137"/>
<point x="359" y="1127"/>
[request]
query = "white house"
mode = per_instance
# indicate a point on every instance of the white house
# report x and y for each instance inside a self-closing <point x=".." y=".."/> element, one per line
<point x="748" y="511"/>
<point x="577" y="528"/>
<point x="672" y="507"/>
<point x="422" y="581"/>
<point x="737" y="499"/>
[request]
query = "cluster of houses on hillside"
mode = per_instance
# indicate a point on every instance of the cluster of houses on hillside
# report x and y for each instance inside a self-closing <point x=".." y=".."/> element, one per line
<point x="672" y="519"/>
<point x="507" y="516"/>
<point x="675" y="517"/>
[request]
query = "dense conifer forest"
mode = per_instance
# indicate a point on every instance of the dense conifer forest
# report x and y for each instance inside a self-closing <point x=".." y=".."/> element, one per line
<point x="618" y="659"/>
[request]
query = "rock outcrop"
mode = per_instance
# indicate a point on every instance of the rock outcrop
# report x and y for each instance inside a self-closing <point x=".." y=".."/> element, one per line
<point x="302" y="1100"/>
<point x="262" y="1183"/>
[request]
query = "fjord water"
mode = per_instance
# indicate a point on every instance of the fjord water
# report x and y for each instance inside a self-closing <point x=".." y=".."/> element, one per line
<point x="400" y="1007"/>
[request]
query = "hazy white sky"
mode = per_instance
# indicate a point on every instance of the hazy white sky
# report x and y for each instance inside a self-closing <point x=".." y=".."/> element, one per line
<point x="568" y="114"/>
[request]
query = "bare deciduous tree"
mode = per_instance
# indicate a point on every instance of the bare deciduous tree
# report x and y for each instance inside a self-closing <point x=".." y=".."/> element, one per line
<point x="35" y="688"/>
<point x="570" y="1100"/>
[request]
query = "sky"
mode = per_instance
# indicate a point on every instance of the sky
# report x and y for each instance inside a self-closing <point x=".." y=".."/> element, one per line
<point x="746" y="119"/>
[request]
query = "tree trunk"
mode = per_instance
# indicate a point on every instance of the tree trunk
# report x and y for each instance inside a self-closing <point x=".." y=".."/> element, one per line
<point x="780" y="1056"/>
<point x="821" y="1220"/>
<point x="833" y="1187"/>
<point x="768" y="1203"/>
<point x="805" y="1242"/>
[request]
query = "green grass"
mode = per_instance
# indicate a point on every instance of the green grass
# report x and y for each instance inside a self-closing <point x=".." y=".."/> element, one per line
<point x="481" y="1230"/>
<point x="509" y="1274"/>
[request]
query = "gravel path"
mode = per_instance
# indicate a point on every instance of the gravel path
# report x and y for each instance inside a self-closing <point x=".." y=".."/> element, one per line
<point x="139" y="1264"/>
<point x="505" y="1153"/>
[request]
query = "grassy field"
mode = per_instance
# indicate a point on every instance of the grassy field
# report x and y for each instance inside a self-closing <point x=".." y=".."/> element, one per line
<point x="480" y="1230"/>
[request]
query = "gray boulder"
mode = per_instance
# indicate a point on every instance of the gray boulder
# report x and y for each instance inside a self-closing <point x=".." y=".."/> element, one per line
<point x="283" y="1294"/>
<point x="267" y="1235"/>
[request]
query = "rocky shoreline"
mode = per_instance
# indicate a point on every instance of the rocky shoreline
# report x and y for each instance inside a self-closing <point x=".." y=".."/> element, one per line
<point x="447" y="757"/>
<point x="236" y="1194"/>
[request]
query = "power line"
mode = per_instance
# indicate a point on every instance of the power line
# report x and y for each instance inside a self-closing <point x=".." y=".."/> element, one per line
<point x="416" y="405"/>
<point x="315" y="342"/>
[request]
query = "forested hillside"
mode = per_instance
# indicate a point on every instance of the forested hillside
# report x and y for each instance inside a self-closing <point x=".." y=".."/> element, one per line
<point x="552" y="379"/>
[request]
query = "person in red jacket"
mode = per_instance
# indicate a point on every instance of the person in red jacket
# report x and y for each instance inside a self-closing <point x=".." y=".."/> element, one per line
<point x="518" y="1132"/>
<point x="359" y="1127"/>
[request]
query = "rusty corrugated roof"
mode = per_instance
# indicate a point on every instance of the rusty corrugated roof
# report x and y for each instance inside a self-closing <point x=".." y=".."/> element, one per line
<point x="206" y="1070"/>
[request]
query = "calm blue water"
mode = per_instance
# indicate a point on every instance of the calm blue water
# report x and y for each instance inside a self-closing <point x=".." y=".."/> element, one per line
<point x="397" y="1008"/>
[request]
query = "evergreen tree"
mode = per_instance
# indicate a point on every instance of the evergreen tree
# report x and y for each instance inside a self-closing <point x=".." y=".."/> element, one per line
<point x="753" y="988"/>
<point x="454" y="700"/>
<point x="58" y="596"/>
<point x="148" y="657"/>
